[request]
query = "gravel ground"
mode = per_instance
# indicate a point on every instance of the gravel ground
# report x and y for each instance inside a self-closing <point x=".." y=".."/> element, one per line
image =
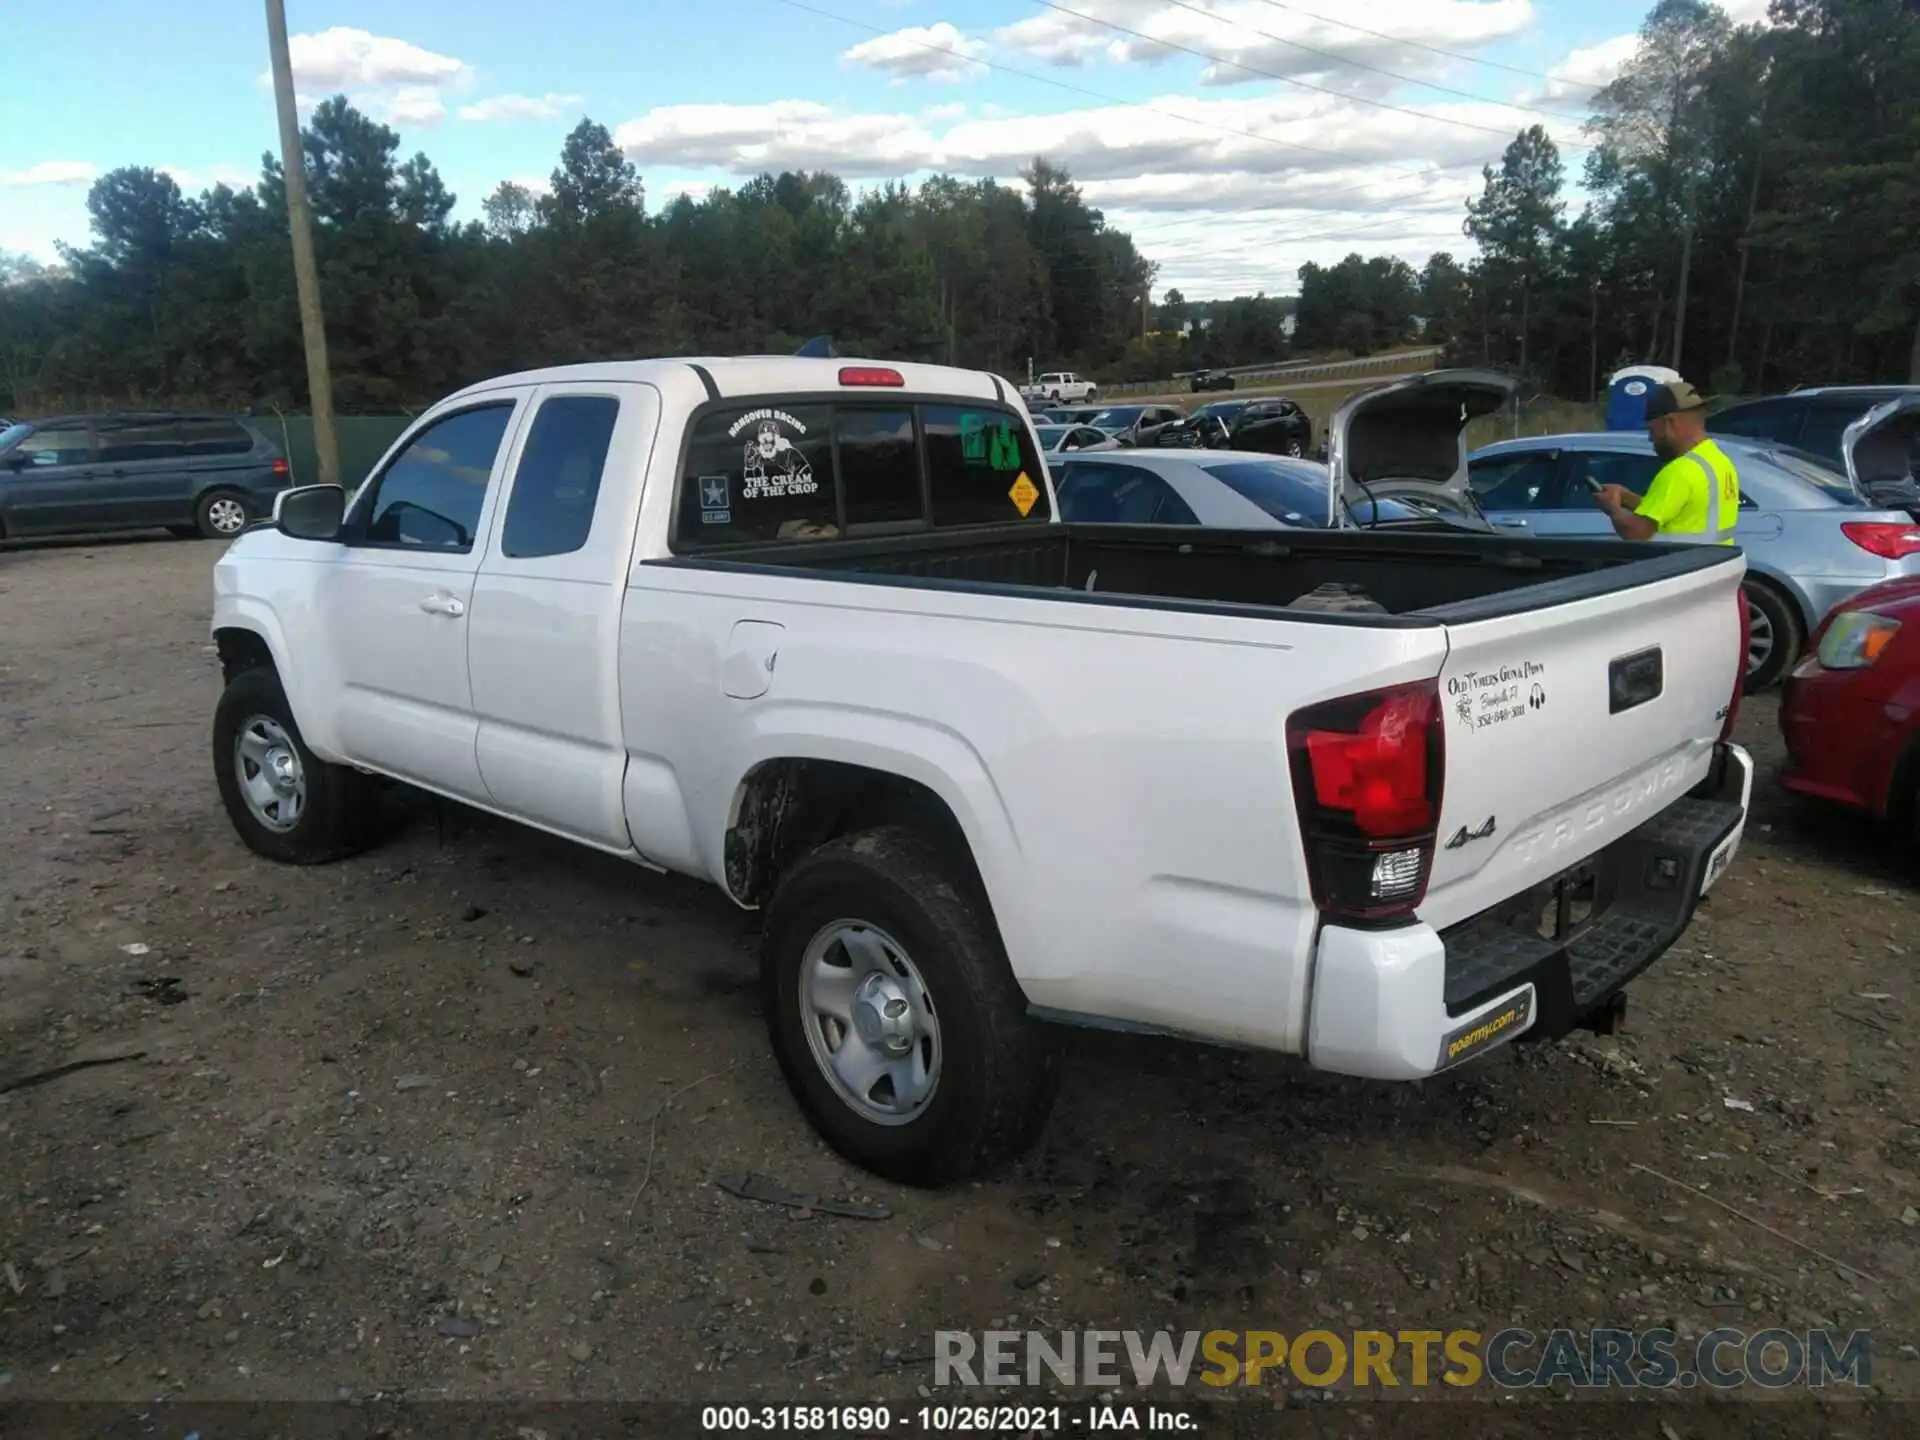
<point x="444" y="1122"/>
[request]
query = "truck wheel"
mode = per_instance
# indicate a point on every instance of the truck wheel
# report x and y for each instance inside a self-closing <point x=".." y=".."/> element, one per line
<point x="1773" y="636"/>
<point x="894" y="1016"/>
<point x="221" y="514"/>
<point x="287" y="803"/>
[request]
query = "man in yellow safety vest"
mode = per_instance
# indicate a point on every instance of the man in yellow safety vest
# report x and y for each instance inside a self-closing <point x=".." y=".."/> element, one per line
<point x="1696" y="494"/>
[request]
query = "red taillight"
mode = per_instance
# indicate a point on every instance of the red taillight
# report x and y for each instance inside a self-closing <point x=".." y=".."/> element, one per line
<point x="1739" y="669"/>
<point x="1889" y="542"/>
<point x="870" y="375"/>
<point x="1366" y="779"/>
<point x="280" y="468"/>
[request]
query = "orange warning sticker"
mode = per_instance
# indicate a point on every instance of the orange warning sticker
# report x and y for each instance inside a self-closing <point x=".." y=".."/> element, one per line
<point x="1024" y="493"/>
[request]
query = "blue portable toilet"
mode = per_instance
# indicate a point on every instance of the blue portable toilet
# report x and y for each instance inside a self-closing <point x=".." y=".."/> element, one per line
<point x="1627" y="394"/>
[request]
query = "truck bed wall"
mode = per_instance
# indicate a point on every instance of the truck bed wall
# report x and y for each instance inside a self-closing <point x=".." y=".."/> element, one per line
<point x="1405" y="573"/>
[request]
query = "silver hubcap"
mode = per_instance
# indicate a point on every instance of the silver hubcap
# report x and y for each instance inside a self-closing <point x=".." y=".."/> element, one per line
<point x="870" y="1022"/>
<point x="271" y="778"/>
<point x="1759" y="637"/>
<point x="227" y="516"/>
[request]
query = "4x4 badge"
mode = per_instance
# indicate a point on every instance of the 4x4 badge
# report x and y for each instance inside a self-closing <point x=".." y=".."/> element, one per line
<point x="1463" y="834"/>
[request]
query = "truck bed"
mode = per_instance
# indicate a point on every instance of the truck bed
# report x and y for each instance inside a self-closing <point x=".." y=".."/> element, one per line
<point x="1420" y="578"/>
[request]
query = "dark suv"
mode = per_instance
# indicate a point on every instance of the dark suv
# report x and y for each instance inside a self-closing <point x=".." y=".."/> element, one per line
<point x="193" y="474"/>
<point x="1811" y="420"/>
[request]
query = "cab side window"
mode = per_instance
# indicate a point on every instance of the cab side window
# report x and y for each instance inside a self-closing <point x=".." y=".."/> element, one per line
<point x="431" y="495"/>
<point x="758" y="473"/>
<point x="557" y="482"/>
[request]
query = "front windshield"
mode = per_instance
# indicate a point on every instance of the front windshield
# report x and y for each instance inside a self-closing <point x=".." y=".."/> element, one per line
<point x="12" y="433"/>
<point x="1118" y="418"/>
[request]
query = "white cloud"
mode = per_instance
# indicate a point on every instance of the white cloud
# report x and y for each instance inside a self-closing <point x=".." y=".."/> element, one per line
<point x="393" y="80"/>
<point x="1589" y="66"/>
<point x="1281" y="134"/>
<point x="939" y="52"/>
<point x="346" y="59"/>
<point x="51" y="172"/>
<point x="1269" y="38"/>
<point x="1227" y="205"/>
<point x="191" y="180"/>
<point x="520" y="107"/>
<point x="1055" y="38"/>
<point x="781" y="134"/>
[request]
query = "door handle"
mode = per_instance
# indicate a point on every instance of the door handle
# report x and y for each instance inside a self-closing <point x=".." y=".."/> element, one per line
<point x="443" y="605"/>
<point x="1511" y="524"/>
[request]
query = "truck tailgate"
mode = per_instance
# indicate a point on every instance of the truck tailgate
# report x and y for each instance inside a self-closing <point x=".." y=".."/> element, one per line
<point x="1569" y="725"/>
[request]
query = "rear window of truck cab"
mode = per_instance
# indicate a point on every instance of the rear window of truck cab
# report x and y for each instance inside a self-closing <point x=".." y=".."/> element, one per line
<point x="763" y="470"/>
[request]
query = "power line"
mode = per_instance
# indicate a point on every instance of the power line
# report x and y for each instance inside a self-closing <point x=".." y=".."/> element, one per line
<point x="1339" y="59"/>
<point x="1213" y="59"/>
<point x="1434" y="49"/>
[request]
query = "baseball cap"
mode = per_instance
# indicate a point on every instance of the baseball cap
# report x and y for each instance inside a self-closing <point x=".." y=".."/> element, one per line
<point x="1672" y="398"/>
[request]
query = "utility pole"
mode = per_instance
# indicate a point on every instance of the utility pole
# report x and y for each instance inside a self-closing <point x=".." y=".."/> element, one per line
<point x="306" y="275"/>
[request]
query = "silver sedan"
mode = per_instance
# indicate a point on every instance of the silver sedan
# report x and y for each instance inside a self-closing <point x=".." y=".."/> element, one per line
<point x="1066" y="439"/>
<point x="1221" y="489"/>
<point x="1810" y="539"/>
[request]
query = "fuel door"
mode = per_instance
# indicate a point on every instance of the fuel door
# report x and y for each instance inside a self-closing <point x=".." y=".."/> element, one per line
<point x="753" y="650"/>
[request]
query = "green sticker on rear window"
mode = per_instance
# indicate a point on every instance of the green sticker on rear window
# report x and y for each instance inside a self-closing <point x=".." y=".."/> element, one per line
<point x="988" y="440"/>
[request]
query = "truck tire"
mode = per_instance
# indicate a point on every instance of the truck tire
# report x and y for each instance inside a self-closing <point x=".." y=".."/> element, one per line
<point x="894" y="1016"/>
<point x="1773" y="635"/>
<point x="287" y="803"/>
<point x="222" y="514"/>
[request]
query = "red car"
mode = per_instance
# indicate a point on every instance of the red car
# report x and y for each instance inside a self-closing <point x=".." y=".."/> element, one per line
<point x="1850" y="710"/>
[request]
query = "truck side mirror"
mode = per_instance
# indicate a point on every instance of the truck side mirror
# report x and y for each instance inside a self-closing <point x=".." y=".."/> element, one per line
<point x="310" y="512"/>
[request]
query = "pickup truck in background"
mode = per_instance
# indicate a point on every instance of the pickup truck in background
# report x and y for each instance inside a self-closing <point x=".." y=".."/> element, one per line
<point x="1061" y="387"/>
<point x="809" y="630"/>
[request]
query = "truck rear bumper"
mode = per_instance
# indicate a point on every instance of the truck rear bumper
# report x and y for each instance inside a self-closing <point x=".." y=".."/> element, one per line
<point x="1405" y="1003"/>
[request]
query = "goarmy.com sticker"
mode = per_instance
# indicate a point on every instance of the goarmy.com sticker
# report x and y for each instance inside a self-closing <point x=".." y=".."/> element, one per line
<point x="1489" y="1030"/>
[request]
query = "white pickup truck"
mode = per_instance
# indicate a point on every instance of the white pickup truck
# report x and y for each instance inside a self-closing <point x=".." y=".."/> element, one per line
<point x="809" y="630"/>
<point x="1062" y="387"/>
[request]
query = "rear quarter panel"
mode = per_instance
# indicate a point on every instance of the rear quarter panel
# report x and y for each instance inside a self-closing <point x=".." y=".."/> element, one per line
<point x="1119" y="772"/>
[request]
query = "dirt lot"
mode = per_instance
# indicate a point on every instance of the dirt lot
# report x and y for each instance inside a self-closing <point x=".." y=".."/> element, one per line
<point x="444" y="1121"/>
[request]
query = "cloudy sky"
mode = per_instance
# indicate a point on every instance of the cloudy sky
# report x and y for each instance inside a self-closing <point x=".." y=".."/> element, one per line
<point x="1234" y="138"/>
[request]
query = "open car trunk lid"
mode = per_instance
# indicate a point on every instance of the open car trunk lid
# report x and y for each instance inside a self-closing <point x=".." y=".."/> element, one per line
<point x="1569" y="724"/>
<point x="1879" y="450"/>
<point x="1407" y="439"/>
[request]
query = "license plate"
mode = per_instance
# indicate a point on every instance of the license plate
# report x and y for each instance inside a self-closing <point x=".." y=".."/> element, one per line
<point x="1718" y="862"/>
